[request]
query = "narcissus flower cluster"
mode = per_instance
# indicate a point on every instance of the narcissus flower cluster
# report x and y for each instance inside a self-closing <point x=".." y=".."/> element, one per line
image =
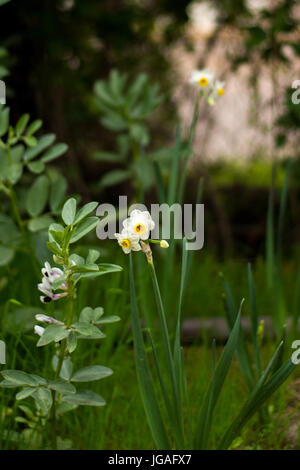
<point x="211" y="89"/>
<point x="136" y="229"/>
<point x="49" y="275"/>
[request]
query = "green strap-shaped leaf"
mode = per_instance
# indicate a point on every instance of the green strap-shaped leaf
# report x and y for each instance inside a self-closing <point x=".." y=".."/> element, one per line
<point x="257" y="398"/>
<point x="242" y="350"/>
<point x="214" y="390"/>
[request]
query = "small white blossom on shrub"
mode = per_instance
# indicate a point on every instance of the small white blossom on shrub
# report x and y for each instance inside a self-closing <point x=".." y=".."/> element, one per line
<point x="39" y="330"/>
<point x="49" y="275"/>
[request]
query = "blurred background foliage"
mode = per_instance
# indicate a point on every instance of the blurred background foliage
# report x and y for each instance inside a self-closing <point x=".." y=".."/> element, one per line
<point x="57" y="58"/>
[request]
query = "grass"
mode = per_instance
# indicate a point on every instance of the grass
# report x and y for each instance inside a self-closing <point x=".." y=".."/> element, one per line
<point x="121" y="423"/>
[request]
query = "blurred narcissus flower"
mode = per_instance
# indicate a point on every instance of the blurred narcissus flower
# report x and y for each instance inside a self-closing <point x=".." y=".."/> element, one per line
<point x="128" y="241"/>
<point x="49" y="275"/>
<point x="220" y="87"/>
<point x="217" y="91"/>
<point x="139" y="223"/>
<point x="203" y="78"/>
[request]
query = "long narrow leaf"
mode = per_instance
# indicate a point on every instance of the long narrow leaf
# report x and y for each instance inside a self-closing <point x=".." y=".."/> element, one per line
<point x="177" y="348"/>
<point x="254" y="321"/>
<point x="214" y="390"/>
<point x="175" y="168"/>
<point x="168" y="404"/>
<point x="188" y="152"/>
<point x="257" y="398"/>
<point x="159" y="182"/>
<point x="241" y="350"/>
<point x="282" y="208"/>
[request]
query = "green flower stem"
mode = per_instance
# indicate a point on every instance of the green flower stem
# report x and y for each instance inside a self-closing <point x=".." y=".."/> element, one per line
<point x="138" y="185"/>
<point x="188" y="150"/>
<point x="61" y="357"/>
<point x="176" y="398"/>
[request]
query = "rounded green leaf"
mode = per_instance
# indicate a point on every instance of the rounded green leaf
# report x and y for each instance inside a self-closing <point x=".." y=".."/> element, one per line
<point x="24" y="393"/>
<point x="40" y="223"/>
<point x="69" y="211"/>
<point x="54" y="152"/>
<point x="84" y="211"/>
<point x="19" y="377"/>
<point x="6" y="255"/>
<point x="72" y="342"/>
<point x="37" y="196"/>
<point x="21" y="124"/>
<point x="90" y="373"/>
<point x="62" y="386"/>
<point x="85" y="397"/>
<point x="53" y="333"/>
<point x="58" y="191"/>
<point x="44" y="142"/>
<point x="84" y="227"/>
<point x="4" y="121"/>
<point x="36" y="167"/>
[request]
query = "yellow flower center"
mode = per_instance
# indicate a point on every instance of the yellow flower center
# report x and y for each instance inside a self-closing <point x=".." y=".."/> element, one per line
<point x="221" y="91"/>
<point x="125" y="243"/>
<point x="139" y="229"/>
<point x="203" y="81"/>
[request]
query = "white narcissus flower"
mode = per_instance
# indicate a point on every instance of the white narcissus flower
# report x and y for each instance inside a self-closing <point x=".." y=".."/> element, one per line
<point x="164" y="244"/>
<point x="203" y="78"/>
<point x="128" y="241"/>
<point x="139" y="223"/>
<point x="39" y="330"/>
